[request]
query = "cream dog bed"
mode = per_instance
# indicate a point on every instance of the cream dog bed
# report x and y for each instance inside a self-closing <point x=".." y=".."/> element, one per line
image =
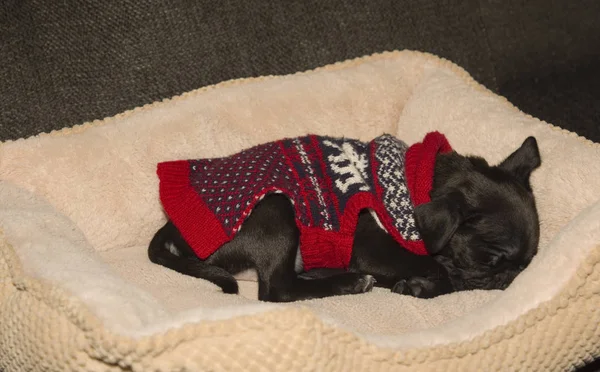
<point x="79" y="206"/>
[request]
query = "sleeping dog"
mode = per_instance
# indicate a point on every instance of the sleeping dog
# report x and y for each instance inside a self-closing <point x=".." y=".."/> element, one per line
<point x="321" y="216"/>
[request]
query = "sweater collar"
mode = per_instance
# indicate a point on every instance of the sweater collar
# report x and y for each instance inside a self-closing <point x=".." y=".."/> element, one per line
<point x="403" y="179"/>
<point x="420" y="165"/>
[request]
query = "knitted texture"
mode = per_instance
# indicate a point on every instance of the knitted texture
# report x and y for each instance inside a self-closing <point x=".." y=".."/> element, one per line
<point x="56" y="332"/>
<point x="131" y="53"/>
<point x="44" y="327"/>
<point x="329" y="181"/>
<point x="137" y="52"/>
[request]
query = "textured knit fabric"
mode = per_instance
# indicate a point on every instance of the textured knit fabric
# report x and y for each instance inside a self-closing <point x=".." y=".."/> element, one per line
<point x="72" y="61"/>
<point x="89" y="196"/>
<point x="329" y="181"/>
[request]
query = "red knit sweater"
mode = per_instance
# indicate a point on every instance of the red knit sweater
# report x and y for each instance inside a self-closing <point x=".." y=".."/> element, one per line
<point x="329" y="180"/>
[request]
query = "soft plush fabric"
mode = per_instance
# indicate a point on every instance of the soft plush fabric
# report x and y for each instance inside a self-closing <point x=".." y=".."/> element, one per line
<point x="79" y="206"/>
<point x="70" y="61"/>
<point x="328" y="180"/>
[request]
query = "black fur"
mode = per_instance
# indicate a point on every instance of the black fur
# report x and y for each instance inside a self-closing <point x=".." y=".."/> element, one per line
<point x="481" y="228"/>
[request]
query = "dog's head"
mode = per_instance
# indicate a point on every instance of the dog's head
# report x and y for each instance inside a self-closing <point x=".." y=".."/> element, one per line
<point x="482" y="222"/>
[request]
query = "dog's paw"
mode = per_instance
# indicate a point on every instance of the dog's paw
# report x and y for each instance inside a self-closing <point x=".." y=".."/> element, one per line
<point x="366" y="283"/>
<point x="415" y="287"/>
<point x="401" y="287"/>
<point x="353" y="283"/>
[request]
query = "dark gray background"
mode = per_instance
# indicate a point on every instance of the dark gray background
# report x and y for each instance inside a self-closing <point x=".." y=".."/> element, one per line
<point x="69" y="61"/>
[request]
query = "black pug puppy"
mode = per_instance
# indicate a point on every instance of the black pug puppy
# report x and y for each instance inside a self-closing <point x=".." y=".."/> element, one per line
<point x="480" y="227"/>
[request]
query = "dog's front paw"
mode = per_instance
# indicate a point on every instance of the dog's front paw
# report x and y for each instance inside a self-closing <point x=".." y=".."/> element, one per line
<point x="416" y="287"/>
<point x="353" y="283"/>
<point x="366" y="283"/>
<point x="401" y="287"/>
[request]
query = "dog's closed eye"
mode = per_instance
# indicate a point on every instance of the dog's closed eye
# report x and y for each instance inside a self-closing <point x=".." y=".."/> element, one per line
<point x="495" y="260"/>
<point x="472" y="220"/>
<point x="499" y="255"/>
<point x="491" y="252"/>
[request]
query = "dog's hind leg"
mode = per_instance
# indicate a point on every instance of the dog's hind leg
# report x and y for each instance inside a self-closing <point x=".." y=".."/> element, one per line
<point x="339" y="284"/>
<point x="169" y="249"/>
<point x="270" y="236"/>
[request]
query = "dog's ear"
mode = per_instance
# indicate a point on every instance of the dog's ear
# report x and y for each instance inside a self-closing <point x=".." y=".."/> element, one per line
<point x="438" y="220"/>
<point x="523" y="161"/>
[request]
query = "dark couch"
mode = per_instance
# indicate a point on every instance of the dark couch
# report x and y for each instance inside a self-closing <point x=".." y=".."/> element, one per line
<point x="67" y="62"/>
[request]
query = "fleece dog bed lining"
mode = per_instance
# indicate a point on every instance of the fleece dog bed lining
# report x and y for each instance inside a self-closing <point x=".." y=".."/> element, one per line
<point x="79" y="206"/>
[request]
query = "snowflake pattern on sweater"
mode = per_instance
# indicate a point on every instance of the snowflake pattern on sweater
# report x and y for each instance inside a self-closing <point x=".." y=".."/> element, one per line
<point x="329" y="180"/>
<point x="395" y="195"/>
